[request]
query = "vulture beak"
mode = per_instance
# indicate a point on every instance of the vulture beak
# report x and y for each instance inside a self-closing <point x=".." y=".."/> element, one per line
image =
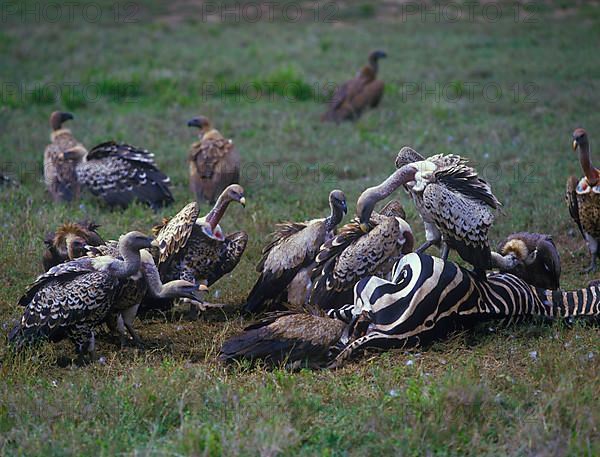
<point x="66" y="117"/>
<point x="574" y="145"/>
<point x="154" y="243"/>
<point x="344" y="207"/>
<point x="364" y="227"/>
<point x="202" y="288"/>
<point x="243" y="201"/>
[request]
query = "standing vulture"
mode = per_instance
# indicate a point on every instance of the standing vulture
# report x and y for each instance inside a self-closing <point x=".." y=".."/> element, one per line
<point x="213" y="161"/>
<point x="120" y="173"/>
<point x="60" y="160"/>
<point x="195" y="248"/>
<point x="72" y="298"/>
<point x="361" y="92"/>
<point x="538" y="259"/>
<point x="360" y="250"/>
<point x="453" y="202"/>
<point x="69" y="242"/>
<point x="583" y="197"/>
<point x="132" y="290"/>
<point x="287" y="261"/>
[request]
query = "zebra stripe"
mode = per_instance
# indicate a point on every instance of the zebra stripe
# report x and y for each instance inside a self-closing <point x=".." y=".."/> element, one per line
<point x="427" y="298"/>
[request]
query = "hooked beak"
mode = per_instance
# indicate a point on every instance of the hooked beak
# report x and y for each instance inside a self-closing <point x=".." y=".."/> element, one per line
<point x="154" y="243"/>
<point x="344" y="207"/>
<point x="198" y="295"/>
<point x="364" y="227"/>
<point x="574" y="145"/>
<point x="66" y="117"/>
<point x="243" y="201"/>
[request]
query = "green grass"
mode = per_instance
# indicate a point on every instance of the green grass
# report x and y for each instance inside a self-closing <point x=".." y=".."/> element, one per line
<point x="477" y="394"/>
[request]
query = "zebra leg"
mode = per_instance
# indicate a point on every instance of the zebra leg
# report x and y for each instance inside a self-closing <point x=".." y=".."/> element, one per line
<point x="593" y="248"/>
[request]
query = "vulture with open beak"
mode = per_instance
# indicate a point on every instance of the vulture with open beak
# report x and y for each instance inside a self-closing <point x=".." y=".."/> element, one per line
<point x="361" y="92"/>
<point x="69" y="242"/>
<point x="196" y="248"/>
<point x="61" y="157"/>
<point x="583" y="197"/>
<point x="453" y="201"/>
<point x="214" y="162"/>
<point x="538" y="259"/>
<point x="362" y="248"/>
<point x="287" y="262"/>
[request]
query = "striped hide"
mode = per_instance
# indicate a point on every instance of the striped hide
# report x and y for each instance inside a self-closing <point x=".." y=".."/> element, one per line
<point x="428" y="298"/>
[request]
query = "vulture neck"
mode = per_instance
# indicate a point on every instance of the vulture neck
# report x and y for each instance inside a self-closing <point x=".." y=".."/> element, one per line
<point x="374" y="65"/>
<point x="590" y="172"/>
<point x="129" y="265"/>
<point x="215" y="214"/>
<point x="155" y="286"/>
<point x="334" y="218"/>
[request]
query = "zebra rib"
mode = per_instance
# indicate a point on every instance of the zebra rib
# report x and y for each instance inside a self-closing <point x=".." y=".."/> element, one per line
<point x="429" y="298"/>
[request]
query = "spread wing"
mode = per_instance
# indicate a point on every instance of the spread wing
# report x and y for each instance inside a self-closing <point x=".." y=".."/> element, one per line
<point x="120" y="173"/>
<point x="294" y="246"/>
<point x="173" y="235"/>
<point x="571" y="198"/>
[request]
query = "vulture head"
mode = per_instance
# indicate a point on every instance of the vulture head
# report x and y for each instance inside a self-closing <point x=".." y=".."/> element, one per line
<point x="201" y="122"/>
<point x="235" y="193"/>
<point x="337" y="201"/>
<point x="57" y="118"/>
<point x="376" y="55"/>
<point x="580" y="139"/>
<point x="134" y="241"/>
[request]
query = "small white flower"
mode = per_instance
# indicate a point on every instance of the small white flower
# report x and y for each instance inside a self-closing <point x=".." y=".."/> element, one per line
<point x="393" y="393"/>
<point x="410" y="362"/>
<point x="533" y="355"/>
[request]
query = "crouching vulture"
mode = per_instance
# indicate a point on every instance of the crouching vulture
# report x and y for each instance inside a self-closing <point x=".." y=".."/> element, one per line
<point x="354" y="96"/>
<point x="287" y="262"/>
<point x="214" y="162"/>
<point x="537" y="256"/>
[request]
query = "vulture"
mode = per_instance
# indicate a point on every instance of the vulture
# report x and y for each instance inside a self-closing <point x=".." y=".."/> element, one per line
<point x="354" y="96"/>
<point x="290" y="338"/>
<point x="69" y="242"/>
<point x="72" y="298"/>
<point x="61" y="157"/>
<point x="195" y="248"/>
<point x="134" y="288"/>
<point x="538" y="259"/>
<point x="454" y="203"/>
<point x="120" y="173"/>
<point x="287" y="262"/>
<point x="583" y="197"/>
<point x="358" y="251"/>
<point x="214" y="162"/>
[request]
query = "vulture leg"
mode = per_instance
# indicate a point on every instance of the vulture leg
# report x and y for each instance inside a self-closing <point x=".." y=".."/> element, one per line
<point x="445" y="251"/>
<point x="85" y="344"/>
<point x="128" y="316"/>
<point x="115" y="324"/>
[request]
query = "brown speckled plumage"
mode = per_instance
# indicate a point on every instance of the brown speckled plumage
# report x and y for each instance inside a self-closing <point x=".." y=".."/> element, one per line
<point x="287" y="262"/>
<point x="354" y="96"/>
<point x="214" y="162"/>
<point x="61" y="157"/>
<point x="72" y="298"/>
<point x="120" y="173"/>
<point x="354" y="254"/>
<point x="583" y="197"/>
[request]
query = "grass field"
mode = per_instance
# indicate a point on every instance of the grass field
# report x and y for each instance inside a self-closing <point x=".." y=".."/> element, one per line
<point x="505" y="93"/>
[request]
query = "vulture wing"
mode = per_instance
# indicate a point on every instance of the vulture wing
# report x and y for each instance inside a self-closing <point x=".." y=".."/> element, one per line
<point x="571" y="198"/>
<point x="173" y="235"/>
